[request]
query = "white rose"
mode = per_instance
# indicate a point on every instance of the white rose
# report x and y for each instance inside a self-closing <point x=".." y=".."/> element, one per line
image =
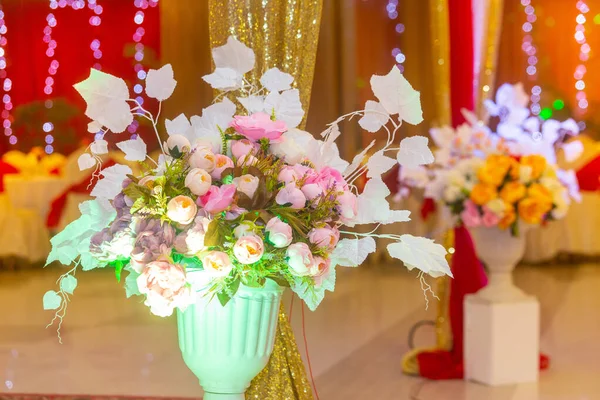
<point x="456" y="178"/>
<point x="179" y="143"/>
<point x="452" y="193"/>
<point x="299" y="259"/>
<point x="198" y="181"/>
<point x="496" y="206"/>
<point x="246" y="184"/>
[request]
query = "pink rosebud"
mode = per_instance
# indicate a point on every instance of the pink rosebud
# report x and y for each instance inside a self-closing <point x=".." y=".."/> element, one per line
<point x="203" y="158"/>
<point x="258" y="126"/>
<point x="217" y="264"/>
<point x="299" y="259"/>
<point x="288" y="175"/>
<point x="165" y="287"/>
<point x="198" y="181"/>
<point x="312" y="191"/>
<point x="490" y="218"/>
<point x="248" y="249"/>
<point x="222" y="162"/>
<point x="290" y="194"/>
<point x="324" y="237"/>
<point x="331" y="178"/>
<point x="347" y="206"/>
<point x="234" y="212"/>
<point x="181" y="209"/>
<point x="246" y="184"/>
<point x="307" y="174"/>
<point x="470" y="215"/>
<point x="239" y="148"/>
<point x="279" y="233"/>
<point x="320" y="270"/>
<point x="217" y="199"/>
<point x="247" y="160"/>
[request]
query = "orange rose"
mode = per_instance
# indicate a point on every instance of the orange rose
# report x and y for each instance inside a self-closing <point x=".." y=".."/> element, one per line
<point x="495" y="169"/>
<point x="513" y="192"/>
<point x="537" y="164"/>
<point x="510" y="216"/>
<point x="540" y="192"/>
<point x="482" y="193"/>
<point x="533" y="209"/>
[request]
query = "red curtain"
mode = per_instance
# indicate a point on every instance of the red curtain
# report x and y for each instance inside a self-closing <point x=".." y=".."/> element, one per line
<point x="28" y="64"/>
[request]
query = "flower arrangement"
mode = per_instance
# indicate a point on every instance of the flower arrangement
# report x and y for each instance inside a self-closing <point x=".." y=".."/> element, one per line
<point x="500" y="178"/>
<point x="236" y="197"/>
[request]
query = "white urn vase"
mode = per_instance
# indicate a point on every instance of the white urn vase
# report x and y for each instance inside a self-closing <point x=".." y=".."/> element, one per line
<point x="227" y="346"/>
<point x="501" y="252"/>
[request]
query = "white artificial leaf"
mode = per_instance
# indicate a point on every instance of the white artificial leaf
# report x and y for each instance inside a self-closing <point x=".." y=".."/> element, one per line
<point x="106" y="97"/>
<point x="397" y="96"/>
<point x="442" y="137"/>
<point x="99" y="146"/>
<point x="532" y="124"/>
<point x="134" y="149"/>
<point x="111" y="183"/>
<point x="379" y="164"/>
<point x="421" y="253"/>
<point x="131" y="287"/>
<point x="94" y="127"/>
<point x="358" y="159"/>
<point x="325" y="154"/>
<point x="276" y="81"/>
<point x="224" y="79"/>
<point x="234" y="55"/>
<point x="414" y="151"/>
<point x="570" y="126"/>
<point x="293" y="145"/>
<point x="214" y="117"/>
<point x="51" y="300"/>
<point x="332" y="132"/>
<point x="253" y="104"/>
<point x="86" y="161"/>
<point x="314" y="296"/>
<point x="353" y="252"/>
<point x="178" y="126"/>
<point x="160" y="83"/>
<point x="373" y="207"/>
<point x="509" y="131"/>
<point x="414" y="177"/>
<point x="572" y="150"/>
<point x="286" y="106"/>
<point x="68" y="284"/>
<point x="374" y="118"/>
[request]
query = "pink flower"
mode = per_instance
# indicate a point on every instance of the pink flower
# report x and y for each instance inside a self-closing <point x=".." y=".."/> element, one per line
<point x="246" y="184"/>
<point x="347" y="206"/>
<point x="165" y="287"/>
<point x="299" y="259"/>
<point x="291" y="195"/>
<point x="470" y="215"/>
<point x="258" y="126"/>
<point x="247" y="160"/>
<point x="234" y="212"/>
<point x="307" y="174"/>
<point x="198" y="181"/>
<point x="490" y="218"/>
<point x="288" y="175"/>
<point x="279" y="233"/>
<point x="217" y="199"/>
<point x="320" y="270"/>
<point x="181" y="209"/>
<point x="324" y="237"/>
<point x="217" y="264"/>
<point x="147" y="181"/>
<point x="248" y="249"/>
<point x="239" y="148"/>
<point x="312" y="191"/>
<point x="203" y="158"/>
<point x="192" y="241"/>
<point x="331" y="178"/>
<point x="222" y="162"/>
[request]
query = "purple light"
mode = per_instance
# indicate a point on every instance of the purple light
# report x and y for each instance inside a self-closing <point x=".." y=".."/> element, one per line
<point x="48" y="104"/>
<point x="49" y="149"/>
<point x="95" y="20"/>
<point x="139" y="56"/>
<point x="8" y="131"/>
<point x="141" y="75"/>
<point x="98" y="54"/>
<point x="50" y="52"/>
<point x="400" y="28"/>
<point x="52" y="44"/>
<point x="12" y="139"/>
<point x="536" y="90"/>
<point x="95" y="45"/>
<point x="531" y="70"/>
<point x="581" y="125"/>
<point x="47" y="30"/>
<point x="137" y="89"/>
<point x="140" y="100"/>
<point x="48" y="127"/>
<point x="6" y="98"/>
<point x="48" y="90"/>
<point x="139" y="17"/>
<point x="395" y="51"/>
<point x="6" y="123"/>
<point x="49" y="139"/>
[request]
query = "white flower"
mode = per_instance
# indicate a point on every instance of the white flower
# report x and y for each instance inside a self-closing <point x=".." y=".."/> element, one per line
<point x="452" y="193"/>
<point x="496" y="206"/>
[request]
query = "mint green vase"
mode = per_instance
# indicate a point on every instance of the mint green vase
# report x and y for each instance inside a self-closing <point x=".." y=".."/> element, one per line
<point x="226" y="347"/>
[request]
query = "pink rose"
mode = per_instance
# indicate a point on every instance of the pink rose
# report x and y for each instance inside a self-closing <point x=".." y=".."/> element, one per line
<point x="181" y="209"/>
<point x="239" y="148"/>
<point x="312" y="191"/>
<point x="279" y="233"/>
<point x="222" y="162"/>
<point x="307" y="174"/>
<point x="247" y="160"/>
<point x="258" y="126"/>
<point x="198" y="181"/>
<point x="347" y="206"/>
<point x="217" y="199"/>
<point x="288" y="175"/>
<point x="192" y="241"/>
<point x="324" y="237"/>
<point x="165" y="287"/>
<point x="290" y="194"/>
<point x="320" y="270"/>
<point x="299" y="259"/>
<point x="203" y="158"/>
<point x="217" y="264"/>
<point x="331" y="178"/>
<point x="248" y="249"/>
<point x="470" y="215"/>
<point x="490" y="218"/>
<point x="246" y="184"/>
<point x="234" y="212"/>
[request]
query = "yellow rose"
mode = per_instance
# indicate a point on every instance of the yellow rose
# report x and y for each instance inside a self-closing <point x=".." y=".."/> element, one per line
<point x="540" y="191"/>
<point x="537" y="164"/>
<point x="495" y="169"/>
<point x="513" y="192"/>
<point x="510" y="216"/>
<point x="482" y="193"/>
<point x="533" y="209"/>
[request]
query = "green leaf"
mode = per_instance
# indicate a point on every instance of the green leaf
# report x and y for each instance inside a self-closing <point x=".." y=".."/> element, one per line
<point x="134" y="191"/>
<point x="118" y="269"/>
<point x="223" y="298"/>
<point x="52" y="300"/>
<point x="235" y="285"/>
<point x="68" y="284"/>
<point x="280" y="280"/>
<point x="131" y="287"/>
<point x="213" y="234"/>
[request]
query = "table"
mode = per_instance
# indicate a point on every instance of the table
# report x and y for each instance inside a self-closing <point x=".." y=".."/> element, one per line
<point x="33" y="192"/>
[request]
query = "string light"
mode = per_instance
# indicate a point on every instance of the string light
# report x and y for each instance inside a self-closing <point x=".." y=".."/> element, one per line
<point x="584" y="55"/>
<point x="392" y="12"/>
<point x="95" y="20"/>
<point x="531" y="50"/>
<point x="6" y="84"/>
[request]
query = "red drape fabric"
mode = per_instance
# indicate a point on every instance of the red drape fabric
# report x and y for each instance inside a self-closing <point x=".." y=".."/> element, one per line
<point x="589" y="176"/>
<point x="6" y="169"/>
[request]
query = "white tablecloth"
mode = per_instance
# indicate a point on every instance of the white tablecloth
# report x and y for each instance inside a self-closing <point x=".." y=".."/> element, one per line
<point x="33" y="193"/>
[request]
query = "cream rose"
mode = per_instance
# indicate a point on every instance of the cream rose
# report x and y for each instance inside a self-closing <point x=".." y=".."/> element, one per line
<point x="245" y="228"/>
<point x="198" y="181"/>
<point x="248" y="249"/>
<point x="181" y="209"/>
<point x="246" y="184"/>
<point x="203" y="158"/>
<point x="178" y="143"/>
<point x="280" y="233"/>
<point x="217" y="264"/>
<point x="300" y="259"/>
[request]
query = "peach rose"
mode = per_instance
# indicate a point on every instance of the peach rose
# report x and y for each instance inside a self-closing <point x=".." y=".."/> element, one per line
<point x="324" y="237"/>
<point x="299" y="259"/>
<point x="203" y="158"/>
<point x="178" y="144"/>
<point x="181" y="209"/>
<point x="533" y="209"/>
<point x="246" y="184"/>
<point x="217" y="264"/>
<point x="248" y="249"/>
<point x="483" y="193"/>
<point x="222" y="162"/>
<point x="512" y="192"/>
<point x="279" y="233"/>
<point x="198" y="181"/>
<point x="165" y="287"/>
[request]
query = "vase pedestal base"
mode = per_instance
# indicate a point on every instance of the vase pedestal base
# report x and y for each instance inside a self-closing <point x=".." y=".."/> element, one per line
<point x="501" y="342"/>
<point x="223" y="396"/>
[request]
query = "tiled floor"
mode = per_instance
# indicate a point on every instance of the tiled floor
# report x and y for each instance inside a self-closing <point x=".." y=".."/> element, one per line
<point x="356" y="339"/>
